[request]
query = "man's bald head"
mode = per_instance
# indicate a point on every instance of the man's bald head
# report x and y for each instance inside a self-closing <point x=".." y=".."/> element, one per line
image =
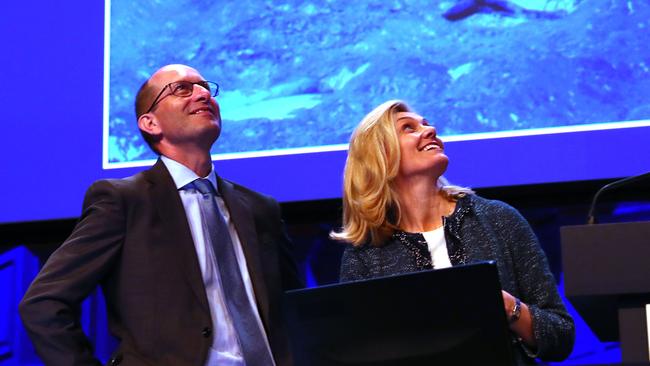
<point x="152" y="86"/>
<point x="168" y="112"/>
<point x="150" y="89"/>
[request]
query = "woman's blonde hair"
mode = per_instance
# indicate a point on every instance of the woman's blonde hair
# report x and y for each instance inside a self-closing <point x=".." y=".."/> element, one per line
<point x="371" y="208"/>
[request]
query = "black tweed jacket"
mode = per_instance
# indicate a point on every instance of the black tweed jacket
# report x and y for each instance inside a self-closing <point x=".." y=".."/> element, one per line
<point x="479" y="230"/>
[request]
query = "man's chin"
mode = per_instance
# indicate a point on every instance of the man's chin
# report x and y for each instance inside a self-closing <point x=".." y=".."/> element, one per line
<point x="213" y="132"/>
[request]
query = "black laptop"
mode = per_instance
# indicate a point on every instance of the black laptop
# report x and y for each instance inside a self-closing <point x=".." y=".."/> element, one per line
<point x="451" y="316"/>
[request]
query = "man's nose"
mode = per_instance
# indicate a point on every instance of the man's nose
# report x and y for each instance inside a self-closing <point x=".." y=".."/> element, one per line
<point x="201" y="93"/>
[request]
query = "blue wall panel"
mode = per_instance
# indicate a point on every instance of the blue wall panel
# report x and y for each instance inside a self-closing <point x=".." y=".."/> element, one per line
<point x="17" y="269"/>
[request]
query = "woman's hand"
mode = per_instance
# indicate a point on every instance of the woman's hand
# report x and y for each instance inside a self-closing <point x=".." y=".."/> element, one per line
<point x="523" y="325"/>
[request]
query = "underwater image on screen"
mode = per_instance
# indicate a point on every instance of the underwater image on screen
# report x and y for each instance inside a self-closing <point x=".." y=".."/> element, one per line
<point x="298" y="75"/>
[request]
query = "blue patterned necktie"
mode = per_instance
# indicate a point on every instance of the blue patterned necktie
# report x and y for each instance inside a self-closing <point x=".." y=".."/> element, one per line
<point x="251" y="339"/>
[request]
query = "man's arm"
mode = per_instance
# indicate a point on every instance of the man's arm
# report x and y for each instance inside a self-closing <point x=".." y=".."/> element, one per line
<point x="50" y="309"/>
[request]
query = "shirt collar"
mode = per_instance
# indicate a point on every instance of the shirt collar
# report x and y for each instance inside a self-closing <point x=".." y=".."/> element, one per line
<point x="183" y="175"/>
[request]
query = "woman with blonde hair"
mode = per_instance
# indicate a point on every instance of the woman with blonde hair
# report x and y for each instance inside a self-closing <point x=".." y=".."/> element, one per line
<point x="400" y="215"/>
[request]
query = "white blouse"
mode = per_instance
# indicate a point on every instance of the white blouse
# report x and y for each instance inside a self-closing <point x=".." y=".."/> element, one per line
<point x="437" y="247"/>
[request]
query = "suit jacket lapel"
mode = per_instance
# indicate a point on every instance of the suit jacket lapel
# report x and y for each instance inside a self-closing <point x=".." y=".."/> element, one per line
<point x="242" y="216"/>
<point x="172" y="213"/>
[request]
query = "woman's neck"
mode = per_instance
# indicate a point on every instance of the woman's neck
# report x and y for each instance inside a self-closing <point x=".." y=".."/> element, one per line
<point x="422" y="204"/>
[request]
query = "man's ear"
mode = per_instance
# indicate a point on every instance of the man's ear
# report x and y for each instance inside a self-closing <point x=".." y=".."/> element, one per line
<point x="149" y="124"/>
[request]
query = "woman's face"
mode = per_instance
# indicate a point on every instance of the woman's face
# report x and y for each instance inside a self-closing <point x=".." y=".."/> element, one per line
<point x="421" y="150"/>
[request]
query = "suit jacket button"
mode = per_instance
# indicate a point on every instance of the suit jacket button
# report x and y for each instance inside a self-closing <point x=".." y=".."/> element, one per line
<point x="206" y="332"/>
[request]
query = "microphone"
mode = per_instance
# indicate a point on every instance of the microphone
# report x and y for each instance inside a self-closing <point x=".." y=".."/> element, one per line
<point x="591" y="219"/>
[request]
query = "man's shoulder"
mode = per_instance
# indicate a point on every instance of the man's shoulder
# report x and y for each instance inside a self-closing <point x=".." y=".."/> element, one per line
<point x="123" y="183"/>
<point x="248" y="192"/>
<point x="127" y="187"/>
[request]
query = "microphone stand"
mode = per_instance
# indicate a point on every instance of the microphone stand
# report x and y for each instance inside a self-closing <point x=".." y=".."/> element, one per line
<point x="591" y="219"/>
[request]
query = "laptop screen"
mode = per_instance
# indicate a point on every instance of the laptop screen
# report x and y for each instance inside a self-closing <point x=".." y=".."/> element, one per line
<point x="451" y="316"/>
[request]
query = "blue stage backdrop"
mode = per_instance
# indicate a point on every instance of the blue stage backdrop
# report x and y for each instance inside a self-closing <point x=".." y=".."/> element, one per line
<point x="297" y="76"/>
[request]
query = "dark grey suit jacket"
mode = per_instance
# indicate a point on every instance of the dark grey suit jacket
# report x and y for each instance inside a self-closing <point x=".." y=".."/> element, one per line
<point x="133" y="239"/>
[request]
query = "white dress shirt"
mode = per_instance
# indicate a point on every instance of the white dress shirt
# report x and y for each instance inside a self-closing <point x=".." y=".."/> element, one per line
<point x="225" y="350"/>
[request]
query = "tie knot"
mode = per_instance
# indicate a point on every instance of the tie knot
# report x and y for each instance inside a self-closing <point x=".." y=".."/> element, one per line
<point x="204" y="186"/>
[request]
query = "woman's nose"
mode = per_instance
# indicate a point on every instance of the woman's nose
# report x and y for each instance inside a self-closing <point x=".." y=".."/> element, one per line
<point x="428" y="131"/>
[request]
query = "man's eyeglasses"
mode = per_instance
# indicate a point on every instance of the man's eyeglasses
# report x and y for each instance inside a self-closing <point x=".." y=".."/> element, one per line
<point x="185" y="88"/>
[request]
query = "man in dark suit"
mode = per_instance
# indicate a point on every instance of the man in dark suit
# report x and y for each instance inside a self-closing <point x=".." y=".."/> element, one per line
<point x="145" y="239"/>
